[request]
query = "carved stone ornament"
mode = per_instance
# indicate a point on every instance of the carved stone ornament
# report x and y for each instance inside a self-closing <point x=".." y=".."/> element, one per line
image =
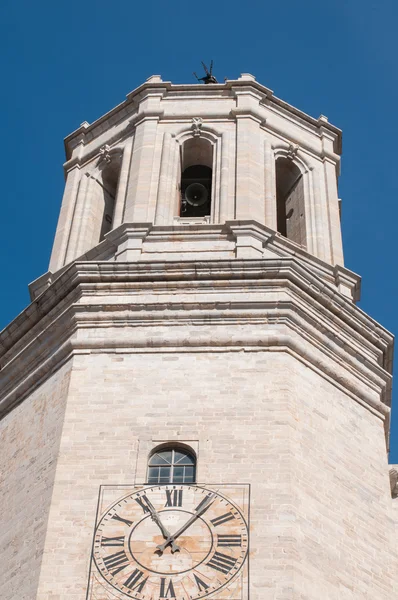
<point x="105" y="153"/>
<point x="292" y="151"/>
<point x="197" y="126"/>
<point x="394" y="482"/>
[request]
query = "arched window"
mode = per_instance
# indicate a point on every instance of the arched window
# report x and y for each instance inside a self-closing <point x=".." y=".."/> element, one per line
<point x="172" y="465"/>
<point x="290" y="208"/>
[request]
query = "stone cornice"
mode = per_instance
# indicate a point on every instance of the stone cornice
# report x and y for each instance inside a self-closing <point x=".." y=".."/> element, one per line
<point x="269" y="243"/>
<point x="230" y="87"/>
<point x="288" y="309"/>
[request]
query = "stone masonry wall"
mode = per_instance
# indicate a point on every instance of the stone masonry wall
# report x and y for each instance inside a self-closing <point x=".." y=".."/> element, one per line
<point x="320" y="503"/>
<point x="345" y="534"/>
<point x="29" y="441"/>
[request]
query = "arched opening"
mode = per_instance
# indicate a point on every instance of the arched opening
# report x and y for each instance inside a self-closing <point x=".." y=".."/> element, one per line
<point x="171" y="464"/>
<point x="109" y="182"/>
<point x="290" y="209"/>
<point x="196" y="178"/>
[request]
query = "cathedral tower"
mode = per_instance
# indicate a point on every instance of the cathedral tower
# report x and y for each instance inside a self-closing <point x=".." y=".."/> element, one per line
<point x="192" y="405"/>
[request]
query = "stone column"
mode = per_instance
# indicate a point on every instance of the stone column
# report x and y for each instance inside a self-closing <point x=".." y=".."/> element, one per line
<point x="122" y="187"/>
<point x="164" y="199"/>
<point x="269" y="186"/>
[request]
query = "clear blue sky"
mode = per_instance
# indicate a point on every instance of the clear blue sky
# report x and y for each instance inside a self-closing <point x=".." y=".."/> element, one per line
<point x="67" y="62"/>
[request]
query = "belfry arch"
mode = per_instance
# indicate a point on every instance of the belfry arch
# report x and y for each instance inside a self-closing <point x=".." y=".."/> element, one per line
<point x="196" y="165"/>
<point x="290" y="200"/>
<point x="109" y="183"/>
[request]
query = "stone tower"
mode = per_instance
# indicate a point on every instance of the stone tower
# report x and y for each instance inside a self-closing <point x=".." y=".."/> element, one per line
<point x="192" y="405"/>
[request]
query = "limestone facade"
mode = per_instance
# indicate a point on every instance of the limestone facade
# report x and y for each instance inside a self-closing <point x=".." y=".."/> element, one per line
<point x="214" y="332"/>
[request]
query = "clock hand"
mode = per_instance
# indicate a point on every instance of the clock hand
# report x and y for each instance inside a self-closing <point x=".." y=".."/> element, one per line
<point x="170" y="539"/>
<point x="155" y="517"/>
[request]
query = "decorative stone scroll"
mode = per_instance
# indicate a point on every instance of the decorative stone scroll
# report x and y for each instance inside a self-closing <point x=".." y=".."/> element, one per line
<point x="105" y="154"/>
<point x="197" y="126"/>
<point x="292" y="151"/>
<point x="394" y="482"/>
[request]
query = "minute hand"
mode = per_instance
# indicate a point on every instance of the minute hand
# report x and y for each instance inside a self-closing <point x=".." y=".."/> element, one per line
<point x="171" y="538"/>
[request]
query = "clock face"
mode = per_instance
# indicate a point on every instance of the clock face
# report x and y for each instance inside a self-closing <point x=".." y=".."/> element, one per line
<point x="170" y="541"/>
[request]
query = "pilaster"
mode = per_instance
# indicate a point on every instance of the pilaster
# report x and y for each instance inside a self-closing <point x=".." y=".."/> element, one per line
<point x="141" y="171"/>
<point x="123" y="180"/>
<point x="269" y="186"/>
<point x="249" y="157"/>
<point x="65" y="221"/>
<point x="166" y="172"/>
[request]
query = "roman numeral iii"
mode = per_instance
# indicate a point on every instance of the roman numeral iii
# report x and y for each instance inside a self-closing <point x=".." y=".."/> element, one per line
<point x="222" y="562"/>
<point x="173" y="498"/>
<point x="229" y="540"/>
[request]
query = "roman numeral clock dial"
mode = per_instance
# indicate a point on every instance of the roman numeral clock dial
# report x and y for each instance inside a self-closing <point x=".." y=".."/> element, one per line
<point x="181" y="542"/>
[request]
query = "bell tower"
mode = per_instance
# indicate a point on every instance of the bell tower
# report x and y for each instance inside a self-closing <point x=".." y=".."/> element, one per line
<point x="192" y="406"/>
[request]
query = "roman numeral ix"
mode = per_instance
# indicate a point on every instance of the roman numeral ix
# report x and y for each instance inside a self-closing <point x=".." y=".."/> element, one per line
<point x="116" y="562"/>
<point x="222" y="562"/>
<point x="223" y="519"/>
<point x="174" y="498"/>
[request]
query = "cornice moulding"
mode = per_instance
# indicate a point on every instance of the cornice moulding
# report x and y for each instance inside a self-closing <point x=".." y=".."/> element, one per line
<point x="271" y="242"/>
<point x="231" y="87"/>
<point x="292" y="310"/>
<point x="109" y="339"/>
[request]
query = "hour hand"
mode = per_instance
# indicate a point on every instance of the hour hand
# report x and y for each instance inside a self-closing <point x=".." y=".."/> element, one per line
<point x="204" y="505"/>
<point x="165" y="532"/>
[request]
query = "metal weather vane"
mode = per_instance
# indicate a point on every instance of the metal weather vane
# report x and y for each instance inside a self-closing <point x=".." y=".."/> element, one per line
<point x="209" y="77"/>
